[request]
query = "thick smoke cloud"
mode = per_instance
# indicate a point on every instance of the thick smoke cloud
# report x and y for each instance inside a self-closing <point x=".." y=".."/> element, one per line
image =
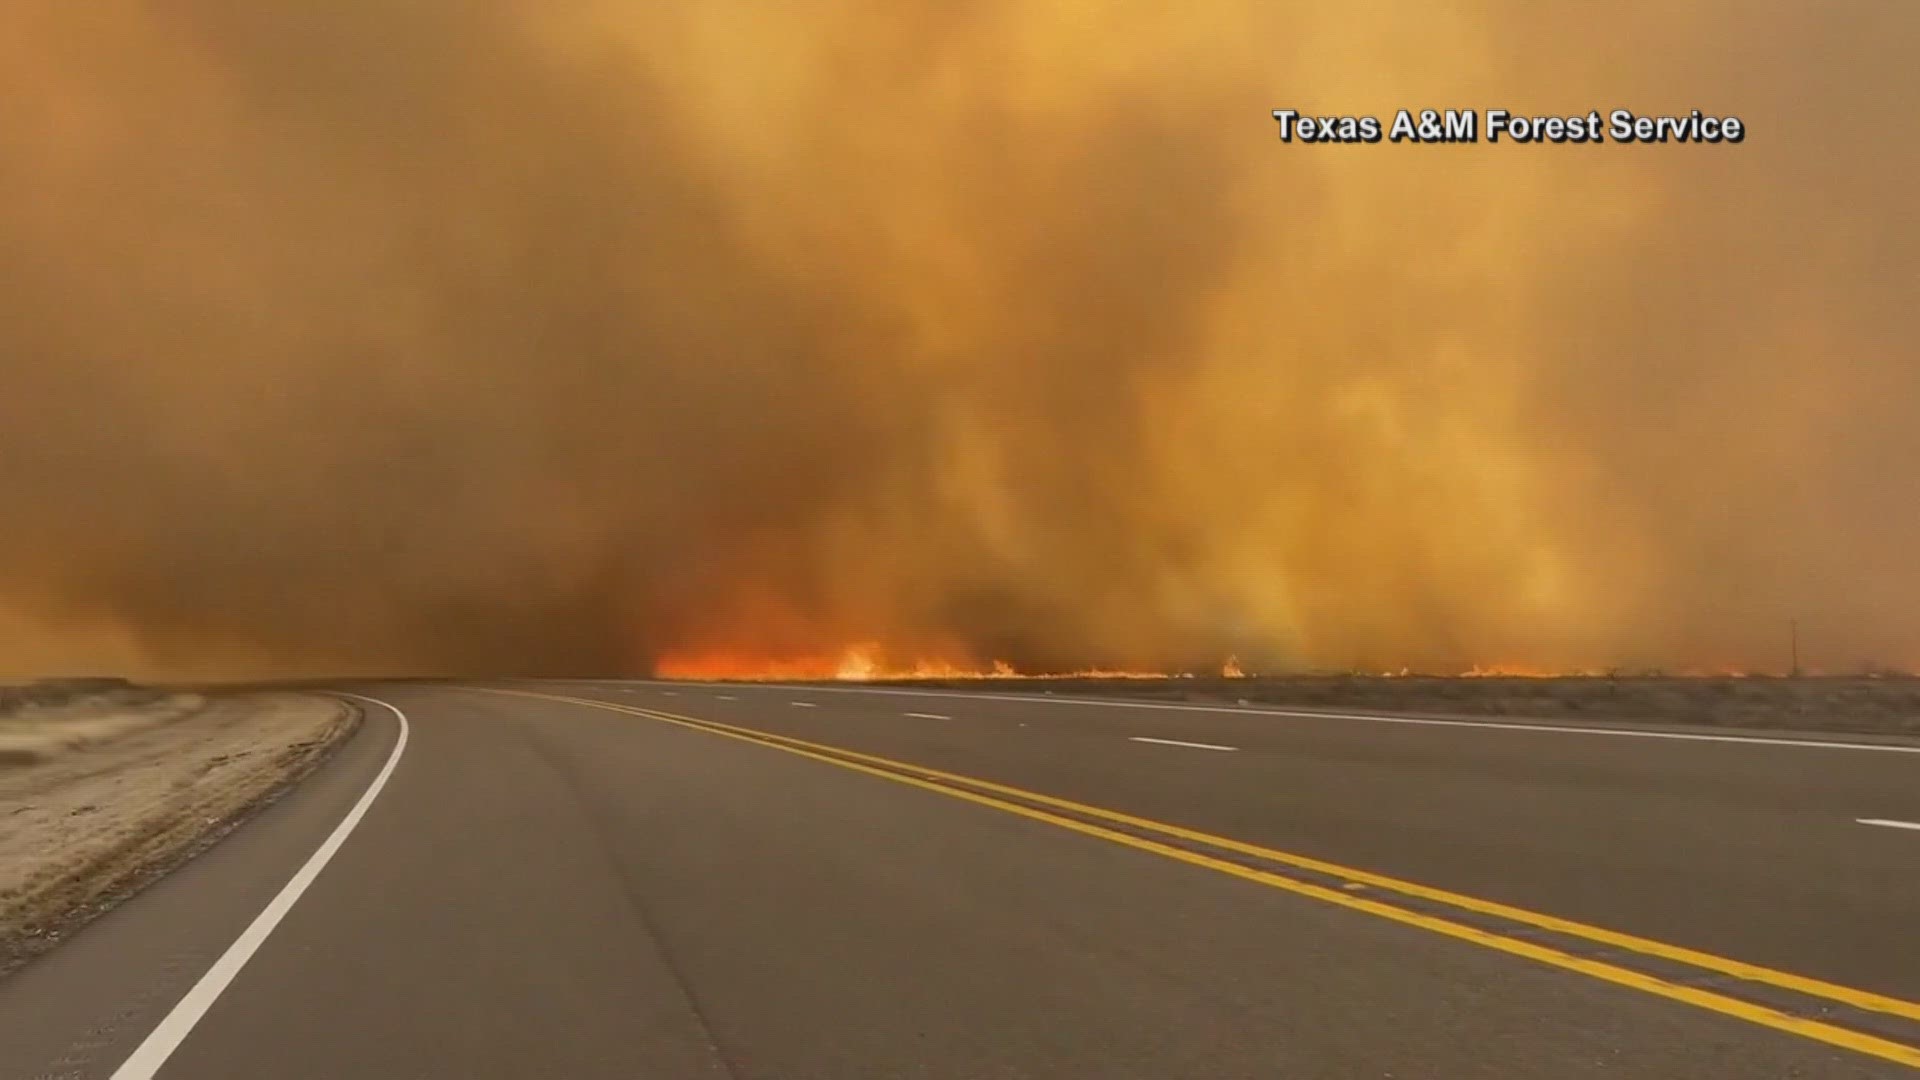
<point x="455" y="337"/>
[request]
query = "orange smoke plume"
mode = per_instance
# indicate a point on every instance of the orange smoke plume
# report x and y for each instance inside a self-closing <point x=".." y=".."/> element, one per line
<point x="718" y="339"/>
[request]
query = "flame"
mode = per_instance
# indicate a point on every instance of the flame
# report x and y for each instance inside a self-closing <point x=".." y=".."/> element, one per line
<point x="1519" y="671"/>
<point x="869" y="662"/>
<point x="864" y="662"/>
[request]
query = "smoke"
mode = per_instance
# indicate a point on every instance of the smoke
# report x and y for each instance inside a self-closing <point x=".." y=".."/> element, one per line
<point x="455" y="337"/>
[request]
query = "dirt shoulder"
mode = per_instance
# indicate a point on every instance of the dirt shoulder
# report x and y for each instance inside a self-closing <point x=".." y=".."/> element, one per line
<point x="1888" y="706"/>
<point x="102" y="793"/>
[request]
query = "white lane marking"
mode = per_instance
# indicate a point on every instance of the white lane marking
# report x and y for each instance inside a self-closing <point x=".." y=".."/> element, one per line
<point x="727" y="697"/>
<point x="928" y="716"/>
<point x="1889" y="823"/>
<point x="1177" y="742"/>
<point x="801" y="704"/>
<point x="1377" y="718"/>
<point x="161" y="1042"/>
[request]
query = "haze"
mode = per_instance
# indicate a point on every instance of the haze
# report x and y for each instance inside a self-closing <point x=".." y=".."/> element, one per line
<point x="517" y="337"/>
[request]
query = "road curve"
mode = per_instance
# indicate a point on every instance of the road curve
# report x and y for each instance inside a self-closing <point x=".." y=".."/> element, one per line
<point x="641" y="879"/>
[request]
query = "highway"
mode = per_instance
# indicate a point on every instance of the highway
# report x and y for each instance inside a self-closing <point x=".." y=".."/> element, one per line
<point x="638" y="879"/>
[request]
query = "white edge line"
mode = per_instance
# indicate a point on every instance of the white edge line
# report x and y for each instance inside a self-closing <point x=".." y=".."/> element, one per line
<point x="1378" y="718"/>
<point x="1177" y="742"/>
<point x="1889" y="823"/>
<point x="927" y="716"/>
<point x="165" y="1038"/>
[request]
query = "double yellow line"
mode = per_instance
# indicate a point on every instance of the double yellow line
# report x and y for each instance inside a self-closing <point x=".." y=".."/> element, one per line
<point x="998" y="796"/>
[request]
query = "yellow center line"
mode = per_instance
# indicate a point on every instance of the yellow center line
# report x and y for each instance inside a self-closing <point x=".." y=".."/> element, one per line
<point x="943" y="783"/>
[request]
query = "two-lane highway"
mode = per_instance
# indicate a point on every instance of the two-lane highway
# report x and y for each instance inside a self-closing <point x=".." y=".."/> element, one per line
<point x="1730" y="842"/>
<point x="664" y="880"/>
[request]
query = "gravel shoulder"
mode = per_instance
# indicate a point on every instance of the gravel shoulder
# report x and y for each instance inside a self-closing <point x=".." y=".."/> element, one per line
<point x="99" y="797"/>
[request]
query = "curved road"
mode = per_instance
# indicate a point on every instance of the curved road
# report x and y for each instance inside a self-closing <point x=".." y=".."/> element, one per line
<point x="627" y="879"/>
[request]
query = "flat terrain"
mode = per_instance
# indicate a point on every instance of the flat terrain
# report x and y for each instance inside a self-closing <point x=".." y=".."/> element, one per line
<point x="1867" y="705"/>
<point x="102" y="791"/>
<point x="43" y="721"/>
<point x="617" y="879"/>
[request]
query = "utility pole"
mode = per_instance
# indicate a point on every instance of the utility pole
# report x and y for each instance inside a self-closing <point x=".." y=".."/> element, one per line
<point x="1793" y="640"/>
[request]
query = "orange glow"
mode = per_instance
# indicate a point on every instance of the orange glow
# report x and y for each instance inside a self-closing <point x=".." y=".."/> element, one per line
<point x="867" y="662"/>
<point x="1518" y="671"/>
<point x="1526" y="671"/>
<point x="722" y="665"/>
<point x="872" y="662"/>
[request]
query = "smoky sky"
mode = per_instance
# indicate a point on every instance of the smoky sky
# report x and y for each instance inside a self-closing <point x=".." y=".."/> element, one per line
<point x="517" y="337"/>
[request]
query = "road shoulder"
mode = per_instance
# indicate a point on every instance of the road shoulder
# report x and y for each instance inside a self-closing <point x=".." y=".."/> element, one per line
<point x="90" y="824"/>
<point x="77" y="1011"/>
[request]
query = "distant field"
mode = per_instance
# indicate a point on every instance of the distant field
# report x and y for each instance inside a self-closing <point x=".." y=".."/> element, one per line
<point x="43" y="720"/>
<point x="74" y="693"/>
<point x="1887" y="706"/>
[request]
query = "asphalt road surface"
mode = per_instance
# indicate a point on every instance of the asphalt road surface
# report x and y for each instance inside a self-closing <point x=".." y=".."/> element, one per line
<point x="583" y="880"/>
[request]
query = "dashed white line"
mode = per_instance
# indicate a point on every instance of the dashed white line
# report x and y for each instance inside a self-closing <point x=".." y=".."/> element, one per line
<point x="726" y="697"/>
<point x="801" y="704"/>
<point x="1047" y="697"/>
<point x="1178" y="742"/>
<point x="928" y="716"/>
<point x="166" y="1037"/>
<point x="1889" y="823"/>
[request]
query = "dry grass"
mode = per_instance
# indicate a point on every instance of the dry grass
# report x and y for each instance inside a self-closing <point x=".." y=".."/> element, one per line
<point x="44" y="720"/>
<point x="1868" y="705"/>
<point x="111" y="791"/>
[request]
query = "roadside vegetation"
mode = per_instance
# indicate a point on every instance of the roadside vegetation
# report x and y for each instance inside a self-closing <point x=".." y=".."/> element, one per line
<point x="1877" y="705"/>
